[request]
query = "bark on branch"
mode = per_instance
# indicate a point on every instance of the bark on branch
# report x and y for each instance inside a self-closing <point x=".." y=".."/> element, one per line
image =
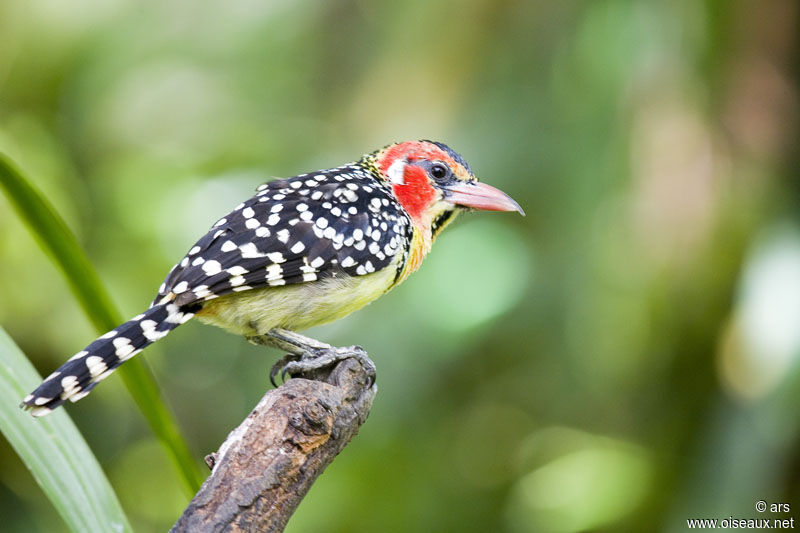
<point x="267" y="465"/>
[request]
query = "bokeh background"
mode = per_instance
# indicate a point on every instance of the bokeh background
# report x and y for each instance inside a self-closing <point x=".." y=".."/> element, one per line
<point x="622" y="359"/>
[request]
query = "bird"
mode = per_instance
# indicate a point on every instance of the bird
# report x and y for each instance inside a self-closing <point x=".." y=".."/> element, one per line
<point x="303" y="251"/>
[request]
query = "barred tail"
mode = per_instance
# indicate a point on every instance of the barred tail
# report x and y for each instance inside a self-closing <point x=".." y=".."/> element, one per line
<point x="78" y="376"/>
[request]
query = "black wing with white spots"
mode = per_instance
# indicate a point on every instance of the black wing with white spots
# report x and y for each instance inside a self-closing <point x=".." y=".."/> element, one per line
<point x="295" y="230"/>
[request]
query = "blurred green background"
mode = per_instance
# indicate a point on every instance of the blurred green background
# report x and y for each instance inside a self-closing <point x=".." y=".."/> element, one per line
<point x="622" y="359"/>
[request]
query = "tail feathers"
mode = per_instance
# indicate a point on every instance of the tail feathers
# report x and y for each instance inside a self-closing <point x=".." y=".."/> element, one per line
<point x="79" y="375"/>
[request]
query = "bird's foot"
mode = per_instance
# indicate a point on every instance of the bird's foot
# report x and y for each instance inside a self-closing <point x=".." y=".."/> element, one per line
<point x="306" y="356"/>
<point x="312" y="361"/>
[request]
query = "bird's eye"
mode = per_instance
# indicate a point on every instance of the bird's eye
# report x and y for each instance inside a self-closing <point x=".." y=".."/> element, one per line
<point x="438" y="171"/>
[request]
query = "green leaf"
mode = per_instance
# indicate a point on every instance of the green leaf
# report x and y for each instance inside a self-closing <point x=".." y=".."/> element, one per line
<point x="54" y="451"/>
<point x="60" y="244"/>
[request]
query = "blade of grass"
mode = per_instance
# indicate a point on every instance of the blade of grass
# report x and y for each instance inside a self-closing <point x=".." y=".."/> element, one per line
<point x="60" y="244"/>
<point x="54" y="451"/>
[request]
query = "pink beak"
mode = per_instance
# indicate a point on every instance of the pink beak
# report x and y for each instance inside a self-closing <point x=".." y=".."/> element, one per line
<point x="481" y="196"/>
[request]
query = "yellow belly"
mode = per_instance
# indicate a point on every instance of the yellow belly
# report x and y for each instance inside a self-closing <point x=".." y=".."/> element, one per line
<point x="295" y="307"/>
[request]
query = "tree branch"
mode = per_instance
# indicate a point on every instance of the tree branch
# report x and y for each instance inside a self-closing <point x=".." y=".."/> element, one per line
<point x="267" y="465"/>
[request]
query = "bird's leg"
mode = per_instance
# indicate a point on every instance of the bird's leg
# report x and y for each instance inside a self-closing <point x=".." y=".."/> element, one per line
<point x="306" y="355"/>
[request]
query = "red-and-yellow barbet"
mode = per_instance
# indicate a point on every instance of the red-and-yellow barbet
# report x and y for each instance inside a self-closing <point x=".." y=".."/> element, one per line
<point x="303" y="251"/>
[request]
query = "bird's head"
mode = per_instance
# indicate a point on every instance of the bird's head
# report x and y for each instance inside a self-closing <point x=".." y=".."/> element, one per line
<point x="433" y="183"/>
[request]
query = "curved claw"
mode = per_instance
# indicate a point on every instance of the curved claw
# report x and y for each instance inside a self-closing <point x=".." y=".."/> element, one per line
<point x="272" y="373"/>
<point x="280" y="366"/>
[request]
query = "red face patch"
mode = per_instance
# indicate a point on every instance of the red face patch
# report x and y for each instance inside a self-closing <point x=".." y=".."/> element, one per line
<point x="416" y="192"/>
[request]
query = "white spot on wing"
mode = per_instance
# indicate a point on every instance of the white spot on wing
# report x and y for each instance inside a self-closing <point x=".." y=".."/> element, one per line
<point x="201" y="291"/>
<point x="250" y="251"/>
<point x="212" y="267"/>
<point x="276" y="257"/>
<point x="274" y="272"/>
<point x="180" y="287"/>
